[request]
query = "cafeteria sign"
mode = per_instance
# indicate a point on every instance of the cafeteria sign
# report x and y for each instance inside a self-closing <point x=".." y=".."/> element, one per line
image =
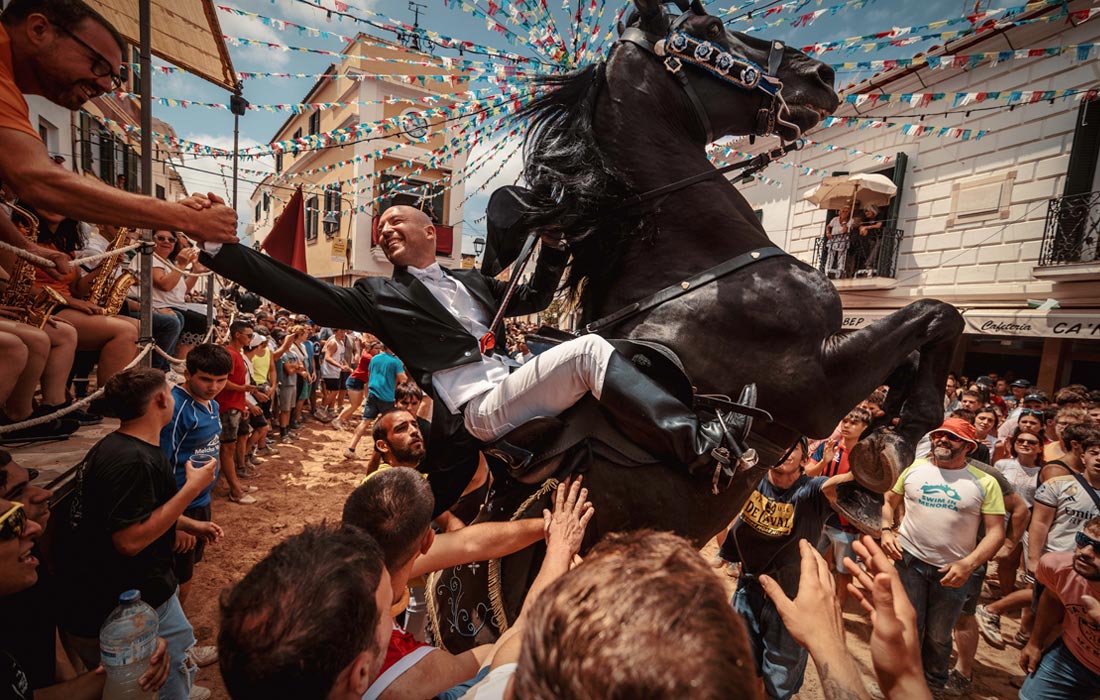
<point x="1034" y="324"/>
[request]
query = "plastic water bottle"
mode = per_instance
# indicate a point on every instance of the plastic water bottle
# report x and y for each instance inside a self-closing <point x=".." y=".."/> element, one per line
<point x="127" y="640"/>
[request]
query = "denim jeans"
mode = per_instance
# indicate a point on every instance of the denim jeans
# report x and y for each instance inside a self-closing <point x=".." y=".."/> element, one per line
<point x="1060" y="676"/>
<point x="780" y="661"/>
<point x="166" y="331"/>
<point x="938" y="609"/>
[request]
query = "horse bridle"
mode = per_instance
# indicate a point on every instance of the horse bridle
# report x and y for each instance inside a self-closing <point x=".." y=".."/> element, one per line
<point x="679" y="47"/>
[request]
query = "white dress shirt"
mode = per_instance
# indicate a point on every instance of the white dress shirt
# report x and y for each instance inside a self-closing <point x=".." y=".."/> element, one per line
<point x="458" y="385"/>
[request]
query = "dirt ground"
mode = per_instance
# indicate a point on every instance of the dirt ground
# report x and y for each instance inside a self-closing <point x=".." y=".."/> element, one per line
<point x="308" y="482"/>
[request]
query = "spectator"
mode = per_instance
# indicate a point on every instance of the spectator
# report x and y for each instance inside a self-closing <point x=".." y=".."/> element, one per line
<point x="838" y="533"/>
<point x="234" y="414"/>
<point x="309" y="620"/>
<point x="120" y="530"/>
<point x="1070" y="668"/>
<point x="195" y="430"/>
<point x="1019" y="389"/>
<point x="1028" y="421"/>
<point x="787" y="506"/>
<point x="334" y="372"/>
<point x="386" y="372"/>
<point x="288" y="365"/>
<point x="836" y="242"/>
<point x="32" y="360"/>
<point x="985" y="428"/>
<point x="1022" y="469"/>
<point x="395" y="507"/>
<point x="1065" y="417"/>
<point x="263" y="374"/>
<point x="936" y="546"/>
<point x="622" y="647"/>
<point x="356" y="383"/>
<point x="1069" y="462"/>
<point x="18" y="572"/>
<point x="171" y="286"/>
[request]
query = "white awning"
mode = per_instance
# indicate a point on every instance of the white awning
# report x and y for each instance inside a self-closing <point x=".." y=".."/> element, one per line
<point x="186" y="34"/>
<point x="1081" y="324"/>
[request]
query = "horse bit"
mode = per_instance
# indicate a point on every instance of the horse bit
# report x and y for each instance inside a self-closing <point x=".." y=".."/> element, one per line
<point x="680" y="47"/>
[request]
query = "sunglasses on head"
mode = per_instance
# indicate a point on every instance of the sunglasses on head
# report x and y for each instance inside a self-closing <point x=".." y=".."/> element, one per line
<point x="1037" y="412"/>
<point x="1084" y="540"/>
<point x="13" y="523"/>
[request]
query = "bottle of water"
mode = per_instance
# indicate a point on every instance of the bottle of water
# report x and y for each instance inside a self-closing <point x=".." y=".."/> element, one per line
<point x="127" y="640"/>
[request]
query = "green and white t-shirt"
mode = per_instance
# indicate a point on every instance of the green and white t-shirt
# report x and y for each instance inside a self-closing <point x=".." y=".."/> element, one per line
<point x="943" y="509"/>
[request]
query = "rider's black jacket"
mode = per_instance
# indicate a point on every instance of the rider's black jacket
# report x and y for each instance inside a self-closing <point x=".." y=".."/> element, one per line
<point x="405" y="316"/>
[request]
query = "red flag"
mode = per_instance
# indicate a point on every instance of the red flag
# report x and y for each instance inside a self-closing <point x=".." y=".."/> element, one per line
<point x="287" y="240"/>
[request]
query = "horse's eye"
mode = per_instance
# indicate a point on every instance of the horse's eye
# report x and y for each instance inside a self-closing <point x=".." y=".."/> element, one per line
<point x="715" y="31"/>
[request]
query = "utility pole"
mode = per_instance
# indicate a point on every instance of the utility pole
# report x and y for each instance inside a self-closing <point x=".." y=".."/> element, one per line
<point x="413" y="41"/>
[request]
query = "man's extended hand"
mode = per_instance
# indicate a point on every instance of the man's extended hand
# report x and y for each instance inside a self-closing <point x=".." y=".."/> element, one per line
<point x="813" y="617"/>
<point x="895" y="644"/>
<point x="208" y="531"/>
<point x="215" y="223"/>
<point x="185" y="542"/>
<point x="62" y="261"/>
<point x="565" y="526"/>
<point x="956" y="574"/>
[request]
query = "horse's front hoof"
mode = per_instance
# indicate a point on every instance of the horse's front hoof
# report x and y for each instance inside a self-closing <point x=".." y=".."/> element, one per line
<point x="862" y="508"/>
<point x="878" y="460"/>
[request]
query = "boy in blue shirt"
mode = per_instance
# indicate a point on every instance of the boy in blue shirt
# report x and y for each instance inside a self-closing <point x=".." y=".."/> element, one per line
<point x="194" y="432"/>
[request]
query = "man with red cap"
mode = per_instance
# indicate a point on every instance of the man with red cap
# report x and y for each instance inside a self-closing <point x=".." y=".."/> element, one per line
<point x="942" y="502"/>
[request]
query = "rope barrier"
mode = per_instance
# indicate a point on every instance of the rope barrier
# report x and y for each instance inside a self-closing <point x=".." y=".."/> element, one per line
<point x="44" y="262"/>
<point x="185" y="273"/>
<point x="76" y="405"/>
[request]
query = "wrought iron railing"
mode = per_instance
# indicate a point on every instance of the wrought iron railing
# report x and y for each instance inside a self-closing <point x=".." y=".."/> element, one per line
<point x="1072" y="233"/>
<point x="853" y="256"/>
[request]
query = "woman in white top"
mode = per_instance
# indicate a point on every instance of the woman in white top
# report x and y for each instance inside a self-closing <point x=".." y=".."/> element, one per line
<point x="1021" y="468"/>
<point x="170" y="286"/>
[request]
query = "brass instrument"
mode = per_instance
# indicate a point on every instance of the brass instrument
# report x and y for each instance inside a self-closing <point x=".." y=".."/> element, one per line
<point x="108" y="293"/>
<point x="37" y="309"/>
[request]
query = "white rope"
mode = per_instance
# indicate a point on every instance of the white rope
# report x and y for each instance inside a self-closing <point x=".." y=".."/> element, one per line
<point x="76" y="405"/>
<point x="178" y="361"/>
<point x="43" y="262"/>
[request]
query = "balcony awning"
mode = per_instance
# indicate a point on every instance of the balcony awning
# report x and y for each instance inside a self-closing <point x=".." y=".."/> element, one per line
<point x="186" y="34"/>
<point x="1080" y="324"/>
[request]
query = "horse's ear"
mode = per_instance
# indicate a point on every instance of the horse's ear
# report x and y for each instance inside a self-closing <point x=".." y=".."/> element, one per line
<point x="697" y="7"/>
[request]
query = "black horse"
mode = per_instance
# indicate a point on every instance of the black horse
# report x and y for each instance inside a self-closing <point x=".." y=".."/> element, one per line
<point x="610" y="132"/>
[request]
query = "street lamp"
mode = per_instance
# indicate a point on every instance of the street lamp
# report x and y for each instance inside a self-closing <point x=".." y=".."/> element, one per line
<point x="479" y="246"/>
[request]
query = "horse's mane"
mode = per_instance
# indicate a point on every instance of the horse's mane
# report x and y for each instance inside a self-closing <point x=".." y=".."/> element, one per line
<point x="574" y="188"/>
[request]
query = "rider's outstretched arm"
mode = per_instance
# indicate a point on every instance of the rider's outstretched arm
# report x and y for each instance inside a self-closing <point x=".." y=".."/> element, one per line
<point x="329" y="305"/>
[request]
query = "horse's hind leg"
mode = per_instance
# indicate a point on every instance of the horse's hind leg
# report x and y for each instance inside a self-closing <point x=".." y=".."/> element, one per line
<point x="877" y="352"/>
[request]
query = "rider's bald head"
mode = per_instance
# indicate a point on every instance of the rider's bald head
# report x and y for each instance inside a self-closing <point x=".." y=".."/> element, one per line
<point x="412" y="213"/>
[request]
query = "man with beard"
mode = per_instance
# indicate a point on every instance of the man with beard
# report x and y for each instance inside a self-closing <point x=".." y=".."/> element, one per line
<point x="1070" y="668"/>
<point x="68" y="53"/>
<point x="398" y="439"/>
<point x="937" y="549"/>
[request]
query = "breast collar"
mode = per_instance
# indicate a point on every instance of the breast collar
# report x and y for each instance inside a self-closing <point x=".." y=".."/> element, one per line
<point x="679" y="47"/>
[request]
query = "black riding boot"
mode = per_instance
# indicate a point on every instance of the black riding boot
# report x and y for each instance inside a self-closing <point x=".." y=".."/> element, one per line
<point x="659" y="422"/>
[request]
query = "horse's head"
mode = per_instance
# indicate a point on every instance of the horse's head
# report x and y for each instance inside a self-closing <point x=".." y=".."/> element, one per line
<point x="735" y="83"/>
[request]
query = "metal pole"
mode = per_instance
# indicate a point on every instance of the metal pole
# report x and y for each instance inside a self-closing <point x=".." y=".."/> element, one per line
<point x="145" y="35"/>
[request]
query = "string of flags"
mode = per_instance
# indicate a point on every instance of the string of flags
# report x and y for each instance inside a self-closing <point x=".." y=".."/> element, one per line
<point x="1080" y="52"/>
<point x="961" y="99"/>
<point x="907" y="129"/>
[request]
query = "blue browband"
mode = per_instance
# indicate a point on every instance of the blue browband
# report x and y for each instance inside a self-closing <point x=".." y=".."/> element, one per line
<point x="713" y="58"/>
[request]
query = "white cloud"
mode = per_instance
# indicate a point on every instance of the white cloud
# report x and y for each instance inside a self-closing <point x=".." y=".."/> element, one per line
<point x="204" y="174"/>
<point x="253" y="58"/>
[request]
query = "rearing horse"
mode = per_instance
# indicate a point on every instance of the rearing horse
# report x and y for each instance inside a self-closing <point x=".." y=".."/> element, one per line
<point x="608" y="133"/>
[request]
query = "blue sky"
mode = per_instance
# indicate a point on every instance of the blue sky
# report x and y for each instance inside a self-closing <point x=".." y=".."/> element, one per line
<point x="216" y="127"/>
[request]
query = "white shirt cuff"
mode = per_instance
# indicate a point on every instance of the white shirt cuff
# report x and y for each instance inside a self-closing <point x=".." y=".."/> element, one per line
<point x="212" y="249"/>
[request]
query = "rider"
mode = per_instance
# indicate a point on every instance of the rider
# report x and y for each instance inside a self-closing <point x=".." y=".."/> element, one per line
<point x="433" y="318"/>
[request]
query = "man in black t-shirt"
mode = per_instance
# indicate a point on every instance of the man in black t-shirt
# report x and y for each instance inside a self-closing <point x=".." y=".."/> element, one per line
<point x="120" y="529"/>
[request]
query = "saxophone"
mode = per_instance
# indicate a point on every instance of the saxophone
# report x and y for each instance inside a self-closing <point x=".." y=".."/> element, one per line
<point x="36" y="309"/>
<point x="107" y="294"/>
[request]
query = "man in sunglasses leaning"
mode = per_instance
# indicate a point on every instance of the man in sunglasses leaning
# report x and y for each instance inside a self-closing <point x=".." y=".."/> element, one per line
<point x="18" y="572"/>
<point x="1069" y="669"/>
<point x="68" y="53"/>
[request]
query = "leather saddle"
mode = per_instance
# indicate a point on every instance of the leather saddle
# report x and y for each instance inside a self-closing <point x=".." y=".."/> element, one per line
<point x="545" y="447"/>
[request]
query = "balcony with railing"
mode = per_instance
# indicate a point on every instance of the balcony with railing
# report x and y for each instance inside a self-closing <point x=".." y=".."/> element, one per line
<point x="859" y="256"/>
<point x="1072" y="233"/>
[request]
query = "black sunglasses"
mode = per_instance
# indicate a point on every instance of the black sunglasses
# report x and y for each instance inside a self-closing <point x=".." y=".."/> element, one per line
<point x="1084" y="540"/>
<point x="13" y="523"/>
<point x="1037" y="412"/>
<point x="101" y="67"/>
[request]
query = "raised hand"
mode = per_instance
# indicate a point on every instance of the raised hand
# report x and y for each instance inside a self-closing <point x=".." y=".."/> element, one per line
<point x="813" y="617"/>
<point x="895" y="645"/>
<point x="565" y="526"/>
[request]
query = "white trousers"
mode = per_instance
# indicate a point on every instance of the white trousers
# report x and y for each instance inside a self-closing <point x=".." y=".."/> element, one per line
<point x="544" y="386"/>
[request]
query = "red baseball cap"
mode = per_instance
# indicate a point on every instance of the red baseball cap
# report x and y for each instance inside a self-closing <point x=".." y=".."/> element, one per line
<point x="960" y="428"/>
